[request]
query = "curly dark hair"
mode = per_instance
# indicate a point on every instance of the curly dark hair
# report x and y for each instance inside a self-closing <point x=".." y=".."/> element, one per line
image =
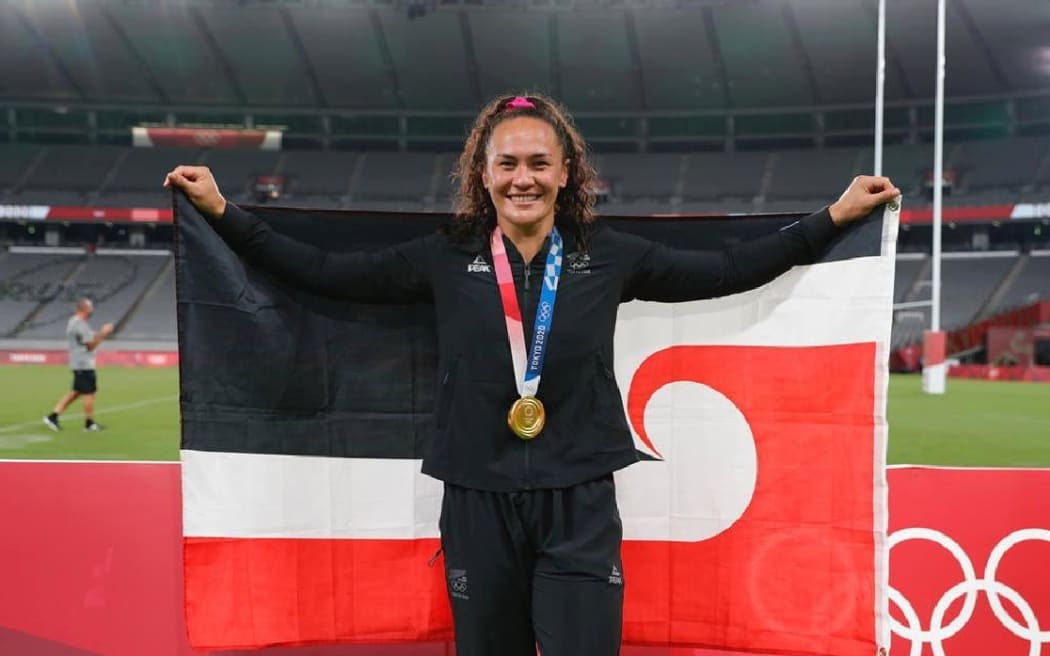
<point x="474" y="215"/>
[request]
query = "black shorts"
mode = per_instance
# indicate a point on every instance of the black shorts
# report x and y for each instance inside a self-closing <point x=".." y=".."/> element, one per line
<point x="84" y="381"/>
<point x="534" y="567"/>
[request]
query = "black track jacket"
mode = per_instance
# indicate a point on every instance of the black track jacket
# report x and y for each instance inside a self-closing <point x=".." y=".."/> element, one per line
<point x="586" y="434"/>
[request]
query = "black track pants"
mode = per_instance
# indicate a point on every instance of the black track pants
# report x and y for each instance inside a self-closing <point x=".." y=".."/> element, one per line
<point x="540" y="567"/>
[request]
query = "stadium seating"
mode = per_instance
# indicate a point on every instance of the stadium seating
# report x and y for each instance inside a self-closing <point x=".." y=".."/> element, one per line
<point x="1031" y="284"/>
<point x="906" y="275"/>
<point x="718" y="176"/>
<point x="997" y="171"/>
<point x="74" y="168"/>
<point x="1000" y="164"/>
<point x="325" y="175"/>
<point x="154" y="318"/>
<point x="236" y="170"/>
<point x="811" y="174"/>
<point x="15" y="162"/>
<point x="115" y="282"/>
<point x="27" y="280"/>
<point x="390" y="176"/>
<point x="653" y="176"/>
<point x="969" y="281"/>
<point x="905" y="164"/>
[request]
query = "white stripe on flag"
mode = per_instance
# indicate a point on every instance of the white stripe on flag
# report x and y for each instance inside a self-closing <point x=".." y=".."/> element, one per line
<point x="253" y="495"/>
<point x="843" y="302"/>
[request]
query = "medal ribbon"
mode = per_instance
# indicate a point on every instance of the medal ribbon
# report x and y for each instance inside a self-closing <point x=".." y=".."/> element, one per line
<point x="527" y="376"/>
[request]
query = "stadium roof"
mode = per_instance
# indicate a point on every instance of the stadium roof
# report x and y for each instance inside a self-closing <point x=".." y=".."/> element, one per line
<point x="420" y="56"/>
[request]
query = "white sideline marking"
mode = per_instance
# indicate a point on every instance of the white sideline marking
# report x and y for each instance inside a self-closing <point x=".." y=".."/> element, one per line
<point x="80" y="415"/>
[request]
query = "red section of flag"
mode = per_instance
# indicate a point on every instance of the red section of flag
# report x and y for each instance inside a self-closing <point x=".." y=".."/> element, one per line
<point x="250" y="592"/>
<point x="796" y="573"/>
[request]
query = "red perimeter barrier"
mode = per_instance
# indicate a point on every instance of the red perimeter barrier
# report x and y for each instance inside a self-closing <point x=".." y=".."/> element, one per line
<point x="992" y="372"/>
<point x="104" y="358"/>
<point x="91" y="563"/>
<point x="907" y="357"/>
<point x="971" y="336"/>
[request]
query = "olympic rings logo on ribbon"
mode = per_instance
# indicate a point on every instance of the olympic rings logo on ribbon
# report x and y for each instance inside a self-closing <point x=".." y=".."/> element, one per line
<point x="544" y="311"/>
<point x="968" y="588"/>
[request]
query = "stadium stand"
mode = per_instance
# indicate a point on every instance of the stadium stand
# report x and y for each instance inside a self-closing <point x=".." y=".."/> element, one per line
<point x="906" y="275"/>
<point x="133" y="182"/>
<point x="995" y="171"/>
<point x="809" y="174"/>
<point x="653" y="176"/>
<point x="719" y="176"/>
<point x="1031" y="283"/>
<point x="321" y="175"/>
<point x="905" y="164"/>
<point x="237" y="169"/>
<point x="969" y="281"/>
<point x="635" y="207"/>
<point x="114" y="282"/>
<point x="908" y="284"/>
<point x="1000" y="164"/>
<point x="73" y="168"/>
<point x="1042" y="176"/>
<point x="389" y="176"/>
<point x="27" y="280"/>
<point x="908" y="327"/>
<point x="154" y="317"/>
<point x="16" y="160"/>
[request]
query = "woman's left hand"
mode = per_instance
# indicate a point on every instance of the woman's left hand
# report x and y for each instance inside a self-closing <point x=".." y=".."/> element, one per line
<point x="864" y="194"/>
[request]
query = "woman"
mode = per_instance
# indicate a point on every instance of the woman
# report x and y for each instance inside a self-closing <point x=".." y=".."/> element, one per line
<point x="529" y="524"/>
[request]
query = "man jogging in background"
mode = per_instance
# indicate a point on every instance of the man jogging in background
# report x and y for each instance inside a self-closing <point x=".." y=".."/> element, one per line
<point x="82" y="344"/>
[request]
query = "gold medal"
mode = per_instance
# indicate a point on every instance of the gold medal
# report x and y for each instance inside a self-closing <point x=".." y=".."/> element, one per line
<point x="526" y="417"/>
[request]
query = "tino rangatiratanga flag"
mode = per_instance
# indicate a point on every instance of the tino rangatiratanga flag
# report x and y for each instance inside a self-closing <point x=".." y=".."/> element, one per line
<point x="755" y="519"/>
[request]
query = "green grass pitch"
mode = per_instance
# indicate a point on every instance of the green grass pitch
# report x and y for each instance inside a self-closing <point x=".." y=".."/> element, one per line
<point x="138" y="407"/>
<point x="977" y="423"/>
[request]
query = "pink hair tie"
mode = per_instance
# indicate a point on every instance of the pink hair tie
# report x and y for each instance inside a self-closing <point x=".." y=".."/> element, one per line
<point x="520" y="102"/>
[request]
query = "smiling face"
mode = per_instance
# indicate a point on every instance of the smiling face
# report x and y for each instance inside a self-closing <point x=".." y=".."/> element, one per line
<point x="525" y="168"/>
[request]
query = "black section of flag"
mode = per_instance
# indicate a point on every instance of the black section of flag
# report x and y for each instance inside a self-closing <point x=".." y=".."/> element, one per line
<point x="265" y="368"/>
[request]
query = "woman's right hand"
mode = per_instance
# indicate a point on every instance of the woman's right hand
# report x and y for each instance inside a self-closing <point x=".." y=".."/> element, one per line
<point x="199" y="185"/>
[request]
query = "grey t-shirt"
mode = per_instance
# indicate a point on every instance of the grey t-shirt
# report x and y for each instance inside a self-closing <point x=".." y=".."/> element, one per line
<point x="79" y="334"/>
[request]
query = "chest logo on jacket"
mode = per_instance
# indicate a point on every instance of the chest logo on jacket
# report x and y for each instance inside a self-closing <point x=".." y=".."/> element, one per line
<point x="479" y="265"/>
<point x="579" y="262"/>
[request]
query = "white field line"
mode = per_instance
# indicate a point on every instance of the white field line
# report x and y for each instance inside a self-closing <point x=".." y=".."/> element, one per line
<point x="99" y="410"/>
